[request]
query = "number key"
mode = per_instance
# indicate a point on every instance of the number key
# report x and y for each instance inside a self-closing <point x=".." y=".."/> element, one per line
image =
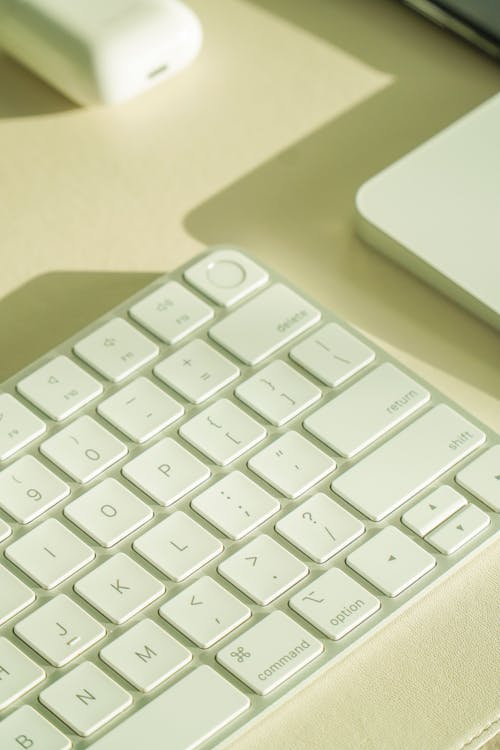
<point x="28" y="489"/>
<point x="84" y="449"/>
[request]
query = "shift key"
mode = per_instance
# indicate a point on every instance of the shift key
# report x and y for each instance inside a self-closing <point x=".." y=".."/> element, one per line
<point x="408" y="462"/>
<point x="265" y="324"/>
<point x="270" y="653"/>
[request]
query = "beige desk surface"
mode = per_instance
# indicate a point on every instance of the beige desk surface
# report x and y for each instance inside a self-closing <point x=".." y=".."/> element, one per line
<point x="263" y="142"/>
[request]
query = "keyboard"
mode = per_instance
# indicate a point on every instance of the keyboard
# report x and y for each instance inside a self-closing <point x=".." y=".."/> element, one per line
<point x="207" y="498"/>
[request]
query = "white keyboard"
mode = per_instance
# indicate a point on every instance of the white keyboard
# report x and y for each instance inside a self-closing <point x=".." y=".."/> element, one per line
<point x="206" y="498"/>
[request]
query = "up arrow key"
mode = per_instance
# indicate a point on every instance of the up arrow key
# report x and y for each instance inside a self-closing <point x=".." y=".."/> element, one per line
<point x="460" y="527"/>
<point x="432" y="507"/>
<point x="391" y="558"/>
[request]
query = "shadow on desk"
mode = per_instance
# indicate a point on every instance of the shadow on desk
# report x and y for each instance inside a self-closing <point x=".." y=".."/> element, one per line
<point x="23" y="94"/>
<point x="50" y="308"/>
<point x="296" y="211"/>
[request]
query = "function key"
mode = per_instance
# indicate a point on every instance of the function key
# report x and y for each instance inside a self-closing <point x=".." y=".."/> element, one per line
<point x="18" y="426"/>
<point x="59" y="388"/>
<point x="332" y="355"/>
<point x="171" y="312"/>
<point x="226" y="276"/>
<point x="116" y="349"/>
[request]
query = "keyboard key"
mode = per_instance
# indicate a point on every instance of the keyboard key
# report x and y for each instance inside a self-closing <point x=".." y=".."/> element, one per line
<point x="60" y="388"/>
<point x="196" y="371"/>
<point x="83" y="449"/>
<point x="265" y="324"/>
<point x="292" y="464"/>
<point x="49" y="553"/>
<point x="140" y="410"/>
<point x="226" y="276"/>
<point x="332" y="355"/>
<point x="119" y="588"/>
<point x="367" y="410"/>
<point x="18" y="673"/>
<point x="433" y="510"/>
<point x="108" y="512"/>
<point x="171" y="312"/>
<point x="335" y="603"/>
<point x="421" y="452"/>
<point x="59" y="630"/>
<point x="278" y="393"/>
<point x="166" y="471"/>
<point x="263" y="569"/>
<point x="18" y="426"/>
<point x="223" y="432"/>
<point x="459" y="530"/>
<point x="270" y="652"/>
<point x="205" y="612"/>
<point x="217" y="703"/>
<point x="320" y="527"/>
<point x="482" y="478"/>
<point x="235" y="505"/>
<point x="15" y="597"/>
<point x="28" y="489"/>
<point x="145" y="655"/>
<point x="25" y="728"/>
<point x="85" y="699"/>
<point x="5" y="530"/>
<point x="116" y="349"/>
<point x="178" y="546"/>
<point x="391" y="561"/>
